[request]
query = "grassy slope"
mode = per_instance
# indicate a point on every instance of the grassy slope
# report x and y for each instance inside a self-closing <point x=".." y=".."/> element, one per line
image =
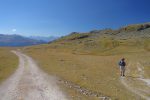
<point x="96" y="73"/>
<point x="91" y="62"/>
<point x="8" y="63"/>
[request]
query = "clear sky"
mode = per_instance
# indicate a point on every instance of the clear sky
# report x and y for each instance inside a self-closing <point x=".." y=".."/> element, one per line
<point x="60" y="17"/>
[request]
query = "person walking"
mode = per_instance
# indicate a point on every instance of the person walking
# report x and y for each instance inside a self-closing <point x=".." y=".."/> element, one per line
<point x="122" y="65"/>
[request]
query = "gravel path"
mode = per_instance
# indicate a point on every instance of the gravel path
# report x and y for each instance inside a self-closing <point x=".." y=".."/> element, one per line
<point x="30" y="83"/>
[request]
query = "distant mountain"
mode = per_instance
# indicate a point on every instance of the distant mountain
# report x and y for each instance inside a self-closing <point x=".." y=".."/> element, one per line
<point x="17" y="40"/>
<point x="46" y="39"/>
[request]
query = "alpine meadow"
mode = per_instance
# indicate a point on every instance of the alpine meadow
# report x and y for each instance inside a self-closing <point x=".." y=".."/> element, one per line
<point x="87" y="66"/>
<point x="74" y="50"/>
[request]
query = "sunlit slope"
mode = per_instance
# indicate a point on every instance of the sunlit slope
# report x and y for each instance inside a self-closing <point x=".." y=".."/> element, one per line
<point x="132" y="36"/>
<point x="8" y="63"/>
<point x="90" y="60"/>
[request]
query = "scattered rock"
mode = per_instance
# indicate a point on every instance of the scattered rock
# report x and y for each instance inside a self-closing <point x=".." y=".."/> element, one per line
<point x="84" y="91"/>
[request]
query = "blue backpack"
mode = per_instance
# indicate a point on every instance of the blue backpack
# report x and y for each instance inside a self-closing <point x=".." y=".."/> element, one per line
<point x="121" y="63"/>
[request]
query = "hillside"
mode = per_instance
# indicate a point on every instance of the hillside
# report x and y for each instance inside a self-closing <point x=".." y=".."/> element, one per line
<point x="17" y="40"/>
<point x="87" y="63"/>
<point x="101" y="40"/>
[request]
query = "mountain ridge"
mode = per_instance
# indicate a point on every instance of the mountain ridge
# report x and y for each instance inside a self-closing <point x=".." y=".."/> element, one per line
<point x="18" y="40"/>
<point x="135" y="29"/>
<point x="43" y="38"/>
<point x="131" y="36"/>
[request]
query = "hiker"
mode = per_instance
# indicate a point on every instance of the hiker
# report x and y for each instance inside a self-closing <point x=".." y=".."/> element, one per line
<point x="122" y="65"/>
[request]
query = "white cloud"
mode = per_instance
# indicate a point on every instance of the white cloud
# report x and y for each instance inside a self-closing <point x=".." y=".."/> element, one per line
<point x="14" y="30"/>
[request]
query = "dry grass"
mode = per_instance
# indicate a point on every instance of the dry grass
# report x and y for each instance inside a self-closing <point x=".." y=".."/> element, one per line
<point x="91" y="59"/>
<point x="8" y="63"/>
<point x="92" y="62"/>
<point x="97" y="71"/>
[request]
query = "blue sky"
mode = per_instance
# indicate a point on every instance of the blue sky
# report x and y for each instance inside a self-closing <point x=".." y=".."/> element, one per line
<point x="60" y="17"/>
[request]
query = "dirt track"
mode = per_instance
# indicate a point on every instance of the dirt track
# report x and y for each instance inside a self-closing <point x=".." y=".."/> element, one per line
<point x="141" y="92"/>
<point x="30" y="83"/>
